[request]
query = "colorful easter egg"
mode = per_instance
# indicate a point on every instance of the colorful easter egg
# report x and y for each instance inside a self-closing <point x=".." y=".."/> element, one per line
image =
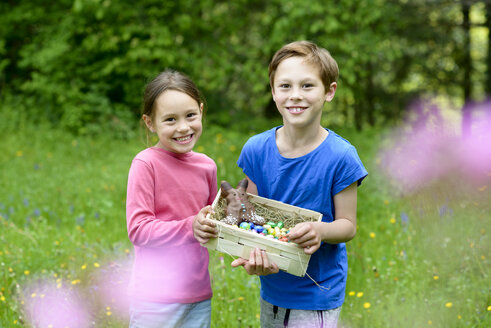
<point x="259" y="228"/>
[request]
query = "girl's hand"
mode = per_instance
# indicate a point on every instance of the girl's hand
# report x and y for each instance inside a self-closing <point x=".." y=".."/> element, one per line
<point x="203" y="228"/>
<point x="258" y="263"/>
<point x="306" y="235"/>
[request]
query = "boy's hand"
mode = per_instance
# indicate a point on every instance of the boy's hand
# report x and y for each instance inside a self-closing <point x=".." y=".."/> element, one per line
<point x="306" y="235"/>
<point x="258" y="264"/>
<point x="203" y="228"/>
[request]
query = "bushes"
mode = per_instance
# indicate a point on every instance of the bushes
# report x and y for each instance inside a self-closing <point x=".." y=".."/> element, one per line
<point x="83" y="64"/>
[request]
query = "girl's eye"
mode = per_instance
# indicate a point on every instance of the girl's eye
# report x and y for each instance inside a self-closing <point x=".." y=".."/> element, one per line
<point x="192" y="115"/>
<point x="169" y="119"/>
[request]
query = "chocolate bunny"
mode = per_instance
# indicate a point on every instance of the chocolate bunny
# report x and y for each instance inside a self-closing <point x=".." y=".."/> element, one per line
<point x="239" y="209"/>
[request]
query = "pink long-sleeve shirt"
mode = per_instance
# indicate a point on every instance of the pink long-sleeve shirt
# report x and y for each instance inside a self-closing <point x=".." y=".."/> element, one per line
<point x="165" y="191"/>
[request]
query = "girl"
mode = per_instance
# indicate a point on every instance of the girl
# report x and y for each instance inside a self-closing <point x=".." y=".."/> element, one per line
<point x="169" y="188"/>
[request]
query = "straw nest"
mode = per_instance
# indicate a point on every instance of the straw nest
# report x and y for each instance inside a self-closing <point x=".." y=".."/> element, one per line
<point x="270" y="214"/>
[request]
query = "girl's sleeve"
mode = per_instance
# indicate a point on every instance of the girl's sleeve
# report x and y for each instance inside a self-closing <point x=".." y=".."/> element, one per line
<point x="213" y="186"/>
<point x="143" y="227"/>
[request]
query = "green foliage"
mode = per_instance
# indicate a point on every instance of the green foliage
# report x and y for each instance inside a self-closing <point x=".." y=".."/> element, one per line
<point x="83" y="64"/>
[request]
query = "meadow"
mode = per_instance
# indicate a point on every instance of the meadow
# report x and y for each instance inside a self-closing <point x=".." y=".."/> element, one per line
<point x="413" y="263"/>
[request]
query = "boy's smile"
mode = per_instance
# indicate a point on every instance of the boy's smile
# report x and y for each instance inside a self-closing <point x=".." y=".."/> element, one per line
<point x="299" y="93"/>
<point x="296" y="110"/>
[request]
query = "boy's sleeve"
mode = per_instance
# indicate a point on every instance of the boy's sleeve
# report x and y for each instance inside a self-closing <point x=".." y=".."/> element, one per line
<point x="245" y="161"/>
<point x="350" y="170"/>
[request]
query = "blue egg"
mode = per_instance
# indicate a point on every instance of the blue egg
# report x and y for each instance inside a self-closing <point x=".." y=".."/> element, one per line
<point x="251" y="225"/>
<point x="244" y="225"/>
<point x="259" y="228"/>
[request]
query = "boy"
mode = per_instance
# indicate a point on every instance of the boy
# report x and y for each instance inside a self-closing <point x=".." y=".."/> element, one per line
<point x="303" y="164"/>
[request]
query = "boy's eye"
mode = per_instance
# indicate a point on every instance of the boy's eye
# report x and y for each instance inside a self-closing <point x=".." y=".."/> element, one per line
<point x="308" y="85"/>
<point x="284" y="85"/>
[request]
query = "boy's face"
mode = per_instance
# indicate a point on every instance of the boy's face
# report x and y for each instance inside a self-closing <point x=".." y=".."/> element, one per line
<point x="299" y="93"/>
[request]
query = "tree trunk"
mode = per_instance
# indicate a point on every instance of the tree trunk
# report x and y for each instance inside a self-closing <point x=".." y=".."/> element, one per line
<point x="369" y="95"/>
<point x="487" y="87"/>
<point x="358" y="94"/>
<point x="467" y="66"/>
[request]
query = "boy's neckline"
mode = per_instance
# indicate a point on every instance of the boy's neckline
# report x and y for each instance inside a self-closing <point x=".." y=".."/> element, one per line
<point x="292" y="153"/>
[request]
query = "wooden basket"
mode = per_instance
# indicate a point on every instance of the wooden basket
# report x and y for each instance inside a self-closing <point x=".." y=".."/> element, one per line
<point x="238" y="242"/>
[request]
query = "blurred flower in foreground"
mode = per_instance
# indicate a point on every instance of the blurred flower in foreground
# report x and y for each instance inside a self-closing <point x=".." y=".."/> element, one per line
<point x="429" y="153"/>
<point x="111" y="285"/>
<point x="46" y="305"/>
<point x="475" y="151"/>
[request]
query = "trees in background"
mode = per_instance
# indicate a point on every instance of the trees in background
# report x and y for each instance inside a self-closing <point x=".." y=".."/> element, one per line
<point x="488" y="60"/>
<point x="83" y="64"/>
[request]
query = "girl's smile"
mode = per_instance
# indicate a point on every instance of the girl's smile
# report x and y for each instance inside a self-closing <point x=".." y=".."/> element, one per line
<point x="184" y="140"/>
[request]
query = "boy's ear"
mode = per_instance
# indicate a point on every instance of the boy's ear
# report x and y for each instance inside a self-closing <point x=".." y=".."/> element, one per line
<point x="148" y="122"/>
<point x="332" y="90"/>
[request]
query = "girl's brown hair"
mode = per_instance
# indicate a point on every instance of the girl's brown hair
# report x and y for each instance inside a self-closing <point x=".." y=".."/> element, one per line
<point x="320" y="57"/>
<point x="169" y="80"/>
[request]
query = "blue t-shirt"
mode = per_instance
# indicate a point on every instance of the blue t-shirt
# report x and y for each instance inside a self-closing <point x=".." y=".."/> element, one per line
<point x="310" y="182"/>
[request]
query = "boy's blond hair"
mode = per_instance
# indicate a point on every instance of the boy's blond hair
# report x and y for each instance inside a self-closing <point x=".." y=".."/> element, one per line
<point x="319" y="57"/>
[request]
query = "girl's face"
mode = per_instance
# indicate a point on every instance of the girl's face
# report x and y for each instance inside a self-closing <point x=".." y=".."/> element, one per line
<point x="176" y="121"/>
<point x="299" y="93"/>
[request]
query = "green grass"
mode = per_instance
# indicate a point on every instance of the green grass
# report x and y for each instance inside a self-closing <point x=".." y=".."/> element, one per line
<point x="62" y="217"/>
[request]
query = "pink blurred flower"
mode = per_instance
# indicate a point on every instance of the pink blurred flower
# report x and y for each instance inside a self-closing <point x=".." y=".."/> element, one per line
<point x="49" y="304"/>
<point x="111" y="283"/>
<point x="419" y="154"/>
<point x="475" y="149"/>
<point x="428" y="151"/>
